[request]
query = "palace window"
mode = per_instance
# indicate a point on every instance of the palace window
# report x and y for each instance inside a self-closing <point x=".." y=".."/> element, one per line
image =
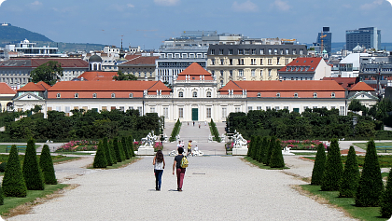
<point x="208" y="112"/>
<point x="240" y="72"/>
<point x="230" y="51"/>
<point x="209" y="94"/>
<point x="212" y="51"/>
<point x="253" y="72"/>
<point x="269" y="61"/>
<point x="180" y="94"/>
<point x="220" y="51"/>
<point x="224" y="112"/>
<point x="222" y="61"/>
<point x="261" y="51"/>
<point x="194" y="94"/>
<point x="240" y="51"/>
<point x="180" y="112"/>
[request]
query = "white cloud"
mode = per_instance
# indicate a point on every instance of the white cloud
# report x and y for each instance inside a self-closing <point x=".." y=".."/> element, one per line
<point x="166" y="2"/>
<point x="36" y="3"/>
<point x="1" y="2"/>
<point x="130" y="6"/>
<point x="281" y="5"/>
<point x="247" y="6"/>
<point x="371" y="5"/>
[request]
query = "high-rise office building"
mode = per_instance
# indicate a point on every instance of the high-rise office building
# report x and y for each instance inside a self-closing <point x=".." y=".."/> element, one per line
<point x="368" y="37"/>
<point x="324" y="39"/>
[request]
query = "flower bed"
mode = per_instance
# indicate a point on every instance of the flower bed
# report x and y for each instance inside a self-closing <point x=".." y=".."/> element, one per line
<point x="157" y="145"/>
<point x="302" y="145"/>
<point x="78" y="145"/>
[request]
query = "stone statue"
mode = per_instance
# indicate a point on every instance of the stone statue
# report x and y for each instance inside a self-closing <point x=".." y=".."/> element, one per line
<point x="149" y="140"/>
<point x="239" y="141"/>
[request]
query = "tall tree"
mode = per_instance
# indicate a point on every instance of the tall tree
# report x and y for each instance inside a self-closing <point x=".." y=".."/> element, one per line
<point x="48" y="72"/>
<point x="333" y="168"/>
<point x="14" y="184"/>
<point x="370" y="185"/>
<point x="31" y="171"/>
<point x="319" y="165"/>
<point x="386" y="199"/>
<point x="46" y="164"/>
<point x="349" y="183"/>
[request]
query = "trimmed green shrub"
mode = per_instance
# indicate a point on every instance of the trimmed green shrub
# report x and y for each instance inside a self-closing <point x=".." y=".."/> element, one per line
<point x="319" y="165"/>
<point x="251" y="146"/>
<point x="259" y="148"/>
<point x="386" y="198"/>
<point x="125" y="147"/>
<point x="1" y="196"/>
<point x="130" y="146"/>
<point x="108" y="155"/>
<point x="46" y="164"/>
<point x="277" y="160"/>
<point x="370" y="184"/>
<point x="349" y="182"/>
<point x="13" y="180"/>
<point x="112" y="152"/>
<point x="31" y="171"/>
<point x="333" y="168"/>
<point x="262" y="149"/>
<point x="214" y="131"/>
<point x="175" y="131"/>
<point x="117" y="150"/>
<point x="269" y="150"/>
<point x="100" y="158"/>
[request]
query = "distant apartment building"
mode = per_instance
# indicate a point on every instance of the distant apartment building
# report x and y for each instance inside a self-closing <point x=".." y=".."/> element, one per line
<point x="366" y="37"/>
<point x="143" y="67"/>
<point x="314" y="68"/>
<point x="176" y="54"/>
<point x="251" y="60"/>
<point x="27" y="49"/>
<point x="376" y="70"/>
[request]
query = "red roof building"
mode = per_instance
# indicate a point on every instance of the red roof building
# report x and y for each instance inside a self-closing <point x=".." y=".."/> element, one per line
<point x="143" y="67"/>
<point x="305" y="68"/>
<point x="97" y="76"/>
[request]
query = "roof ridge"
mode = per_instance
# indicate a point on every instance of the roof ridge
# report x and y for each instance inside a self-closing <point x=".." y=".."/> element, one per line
<point x="236" y="84"/>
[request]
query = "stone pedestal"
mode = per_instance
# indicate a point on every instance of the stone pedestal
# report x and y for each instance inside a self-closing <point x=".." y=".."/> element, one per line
<point x="145" y="151"/>
<point x="240" y="151"/>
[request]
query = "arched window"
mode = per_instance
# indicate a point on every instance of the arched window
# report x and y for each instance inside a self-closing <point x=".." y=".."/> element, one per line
<point x="58" y="95"/>
<point x="194" y="94"/>
<point x="95" y="95"/>
<point x="209" y="94"/>
<point x="180" y="94"/>
<point x="295" y="94"/>
<point x="130" y="95"/>
<point x="333" y="94"/>
<point x="277" y="94"/>
<point x="76" y="95"/>
<point x="113" y="95"/>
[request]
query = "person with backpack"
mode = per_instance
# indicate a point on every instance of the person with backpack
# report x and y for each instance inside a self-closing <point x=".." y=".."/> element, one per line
<point x="159" y="165"/>
<point x="180" y="164"/>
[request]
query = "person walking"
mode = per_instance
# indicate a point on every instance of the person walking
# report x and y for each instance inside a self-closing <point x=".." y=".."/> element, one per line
<point x="189" y="147"/>
<point x="159" y="165"/>
<point x="177" y="167"/>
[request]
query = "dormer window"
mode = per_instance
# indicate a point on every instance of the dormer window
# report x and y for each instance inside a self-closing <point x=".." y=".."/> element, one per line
<point x="277" y="94"/>
<point x="208" y="94"/>
<point x="76" y="95"/>
<point x="296" y="95"/>
<point x="95" y="95"/>
<point x="180" y="94"/>
<point x="130" y="95"/>
<point x="259" y="94"/>
<point x="333" y="95"/>
<point x="58" y="95"/>
<point x="113" y="95"/>
<point x="314" y="95"/>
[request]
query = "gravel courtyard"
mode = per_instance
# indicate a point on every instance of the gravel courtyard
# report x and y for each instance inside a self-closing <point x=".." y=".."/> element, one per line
<point x="215" y="188"/>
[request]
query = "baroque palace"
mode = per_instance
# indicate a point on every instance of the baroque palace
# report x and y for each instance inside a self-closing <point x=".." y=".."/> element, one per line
<point x="195" y="96"/>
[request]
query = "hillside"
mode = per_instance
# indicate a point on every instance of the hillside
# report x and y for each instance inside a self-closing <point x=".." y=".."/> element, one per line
<point x="13" y="34"/>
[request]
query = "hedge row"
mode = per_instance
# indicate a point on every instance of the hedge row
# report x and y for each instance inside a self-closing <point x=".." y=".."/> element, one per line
<point x="266" y="150"/>
<point x="112" y="152"/>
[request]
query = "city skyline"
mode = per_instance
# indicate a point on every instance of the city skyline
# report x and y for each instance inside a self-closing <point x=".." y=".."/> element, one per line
<point x="148" y="23"/>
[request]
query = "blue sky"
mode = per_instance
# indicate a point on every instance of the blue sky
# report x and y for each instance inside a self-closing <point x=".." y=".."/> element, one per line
<point x="148" y="22"/>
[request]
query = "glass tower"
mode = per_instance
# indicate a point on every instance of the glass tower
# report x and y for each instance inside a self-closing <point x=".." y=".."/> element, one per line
<point x="367" y="37"/>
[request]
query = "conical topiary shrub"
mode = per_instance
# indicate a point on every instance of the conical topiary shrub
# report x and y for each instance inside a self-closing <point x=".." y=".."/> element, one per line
<point x="130" y="146"/>
<point x="108" y="154"/>
<point x="386" y="198"/>
<point x="31" y="171"/>
<point x="349" y="182"/>
<point x="259" y="149"/>
<point x="121" y="149"/>
<point x="117" y="149"/>
<point x="125" y="147"/>
<point x="251" y="146"/>
<point x="277" y="160"/>
<point x="13" y="181"/>
<point x="100" y="158"/>
<point x="46" y="164"/>
<point x="271" y="146"/>
<point x="319" y="165"/>
<point x="1" y="196"/>
<point x="266" y="143"/>
<point x="370" y="184"/>
<point x="333" y="168"/>
<point x="263" y="146"/>
<point x="112" y="152"/>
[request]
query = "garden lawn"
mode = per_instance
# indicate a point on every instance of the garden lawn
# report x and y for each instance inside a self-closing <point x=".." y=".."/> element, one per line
<point x="261" y="165"/>
<point x="379" y="149"/>
<point x="12" y="202"/>
<point x="384" y="160"/>
<point x="362" y="213"/>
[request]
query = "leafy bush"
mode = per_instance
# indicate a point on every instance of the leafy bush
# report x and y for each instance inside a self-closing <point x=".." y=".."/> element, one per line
<point x="46" y="164"/>
<point x="319" y="165"/>
<point x="31" y="171"/>
<point x="13" y="182"/>
<point x="349" y="183"/>
<point x="333" y="168"/>
<point x="370" y="185"/>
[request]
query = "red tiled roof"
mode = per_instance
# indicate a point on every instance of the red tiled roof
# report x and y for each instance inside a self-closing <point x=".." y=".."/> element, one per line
<point x="5" y="89"/>
<point x="142" y="60"/>
<point x="195" y="70"/>
<point x="85" y="89"/>
<point x="305" y="89"/>
<point x="98" y="75"/>
<point x="32" y="87"/>
<point x="44" y="85"/>
<point x="132" y="56"/>
<point x="361" y="86"/>
<point x="345" y="82"/>
<point x="311" y="62"/>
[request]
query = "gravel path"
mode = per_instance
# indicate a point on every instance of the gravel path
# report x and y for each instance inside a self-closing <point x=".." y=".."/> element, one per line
<point x="215" y="188"/>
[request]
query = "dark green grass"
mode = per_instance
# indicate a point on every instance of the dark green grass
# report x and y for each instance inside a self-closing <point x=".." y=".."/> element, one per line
<point x="262" y="165"/>
<point x="362" y="213"/>
<point x="384" y="160"/>
<point x="119" y="164"/>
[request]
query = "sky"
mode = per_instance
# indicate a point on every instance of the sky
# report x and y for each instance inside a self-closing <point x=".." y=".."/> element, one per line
<point x="147" y="23"/>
